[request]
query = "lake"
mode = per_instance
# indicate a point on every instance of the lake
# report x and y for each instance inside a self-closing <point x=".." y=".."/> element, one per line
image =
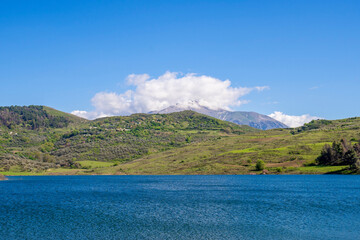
<point x="180" y="207"/>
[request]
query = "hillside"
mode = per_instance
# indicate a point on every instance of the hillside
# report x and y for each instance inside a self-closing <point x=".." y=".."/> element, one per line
<point x="31" y="142"/>
<point x="35" y="117"/>
<point x="177" y="143"/>
<point x="285" y="151"/>
<point x="251" y="119"/>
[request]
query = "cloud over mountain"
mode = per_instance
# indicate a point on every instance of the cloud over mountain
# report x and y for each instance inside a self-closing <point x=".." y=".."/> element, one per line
<point x="151" y="94"/>
<point x="292" y="121"/>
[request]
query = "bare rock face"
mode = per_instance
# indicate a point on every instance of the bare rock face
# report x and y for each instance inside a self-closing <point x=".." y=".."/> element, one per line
<point x="2" y="177"/>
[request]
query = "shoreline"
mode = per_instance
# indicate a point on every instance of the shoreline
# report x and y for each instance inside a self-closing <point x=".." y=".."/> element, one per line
<point x="284" y="174"/>
<point x="330" y="170"/>
<point x="3" y="178"/>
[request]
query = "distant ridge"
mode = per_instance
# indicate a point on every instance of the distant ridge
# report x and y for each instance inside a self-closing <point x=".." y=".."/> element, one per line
<point x="251" y="119"/>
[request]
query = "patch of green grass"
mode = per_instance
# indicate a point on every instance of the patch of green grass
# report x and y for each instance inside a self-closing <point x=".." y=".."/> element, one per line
<point x="95" y="164"/>
<point x="51" y="171"/>
<point x="246" y="150"/>
<point x="11" y="173"/>
<point x="321" y="169"/>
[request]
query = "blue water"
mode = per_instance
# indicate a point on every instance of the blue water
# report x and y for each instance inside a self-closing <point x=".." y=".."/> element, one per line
<point x="180" y="207"/>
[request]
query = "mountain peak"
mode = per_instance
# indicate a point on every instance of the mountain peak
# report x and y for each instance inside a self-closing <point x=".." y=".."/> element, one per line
<point x="200" y="106"/>
<point x="194" y="104"/>
<point x="189" y="104"/>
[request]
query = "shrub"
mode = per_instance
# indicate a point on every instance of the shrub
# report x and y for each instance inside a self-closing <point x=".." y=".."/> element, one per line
<point x="260" y="165"/>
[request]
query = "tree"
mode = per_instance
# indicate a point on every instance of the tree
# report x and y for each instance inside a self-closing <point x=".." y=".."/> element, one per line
<point x="260" y="165"/>
<point x="356" y="165"/>
<point x="340" y="153"/>
<point x="327" y="155"/>
<point x="350" y="157"/>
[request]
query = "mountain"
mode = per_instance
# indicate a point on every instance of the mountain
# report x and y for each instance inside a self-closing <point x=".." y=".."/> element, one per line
<point x="251" y="119"/>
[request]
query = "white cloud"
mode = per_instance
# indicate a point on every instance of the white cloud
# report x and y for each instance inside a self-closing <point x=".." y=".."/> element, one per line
<point x="89" y="115"/>
<point x="292" y="121"/>
<point x="262" y="88"/>
<point x="167" y="90"/>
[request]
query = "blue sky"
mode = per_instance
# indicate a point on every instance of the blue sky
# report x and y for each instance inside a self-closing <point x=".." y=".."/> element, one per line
<point x="63" y="53"/>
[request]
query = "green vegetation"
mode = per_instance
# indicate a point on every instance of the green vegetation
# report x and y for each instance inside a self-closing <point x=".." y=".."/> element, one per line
<point x="33" y="117"/>
<point x="31" y="142"/>
<point x="95" y="164"/>
<point x="260" y="165"/>
<point x="43" y="141"/>
<point x="321" y="169"/>
<point x="340" y="153"/>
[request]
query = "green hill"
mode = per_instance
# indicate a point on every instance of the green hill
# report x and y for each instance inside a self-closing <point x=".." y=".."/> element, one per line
<point x="56" y="113"/>
<point x="178" y="143"/>
<point x="37" y="138"/>
<point x="35" y="117"/>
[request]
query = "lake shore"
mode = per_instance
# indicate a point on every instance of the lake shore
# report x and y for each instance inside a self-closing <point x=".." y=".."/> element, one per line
<point x="124" y="169"/>
<point x="2" y="177"/>
<point x="171" y="174"/>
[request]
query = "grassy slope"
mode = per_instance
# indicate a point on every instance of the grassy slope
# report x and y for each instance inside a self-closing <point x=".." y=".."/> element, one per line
<point x="281" y="149"/>
<point x="114" y="140"/>
<point x="73" y="118"/>
<point x="20" y="143"/>
<point x="216" y="147"/>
